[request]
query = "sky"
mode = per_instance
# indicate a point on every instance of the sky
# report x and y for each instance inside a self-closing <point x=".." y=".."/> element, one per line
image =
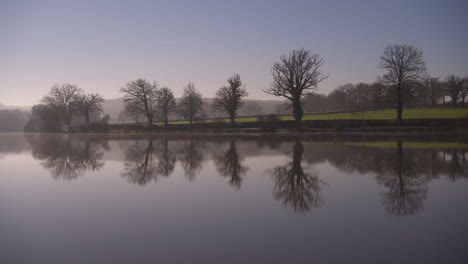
<point x="101" y="45"/>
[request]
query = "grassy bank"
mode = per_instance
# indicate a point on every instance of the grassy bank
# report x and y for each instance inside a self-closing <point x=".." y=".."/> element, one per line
<point x="371" y="115"/>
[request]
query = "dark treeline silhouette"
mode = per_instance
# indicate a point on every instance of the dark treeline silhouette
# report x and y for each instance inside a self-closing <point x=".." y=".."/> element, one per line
<point x="64" y="105"/>
<point x="66" y="158"/>
<point x="295" y="77"/>
<point x="429" y="92"/>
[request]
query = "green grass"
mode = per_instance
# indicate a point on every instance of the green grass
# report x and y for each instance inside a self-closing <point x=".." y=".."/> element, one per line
<point x="373" y="115"/>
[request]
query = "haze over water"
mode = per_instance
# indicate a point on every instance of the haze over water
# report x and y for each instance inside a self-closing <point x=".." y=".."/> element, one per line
<point x="232" y="199"/>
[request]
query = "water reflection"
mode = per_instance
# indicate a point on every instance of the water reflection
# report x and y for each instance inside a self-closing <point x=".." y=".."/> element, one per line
<point x="405" y="188"/>
<point x="192" y="157"/>
<point x="402" y="170"/>
<point x="297" y="188"/>
<point x="67" y="159"/>
<point x="147" y="160"/>
<point x="229" y="165"/>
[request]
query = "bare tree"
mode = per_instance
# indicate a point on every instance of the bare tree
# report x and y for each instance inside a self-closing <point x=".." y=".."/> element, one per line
<point x="165" y="102"/>
<point x="86" y="104"/>
<point x="140" y="98"/>
<point x="191" y="104"/>
<point x="62" y="97"/>
<point x="403" y="63"/>
<point x="229" y="98"/>
<point x="453" y="87"/>
<point x="298" y="72"/>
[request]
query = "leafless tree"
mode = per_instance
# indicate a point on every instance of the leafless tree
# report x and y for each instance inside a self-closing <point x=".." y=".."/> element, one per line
<point x="403" y="63"/>
<point x="165" y="102"/>
<point x="298" y="72"/>
<point x="62" y="97"/>
<point x="191" y="104"/>
<point x="229" y="98"/>
<point x="140" y="97"/>
<point x="454" y="88"/>
<point x="86" y="104"/>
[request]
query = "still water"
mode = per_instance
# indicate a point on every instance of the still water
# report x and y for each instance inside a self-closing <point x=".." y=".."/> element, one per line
<point x="232" y="199"/>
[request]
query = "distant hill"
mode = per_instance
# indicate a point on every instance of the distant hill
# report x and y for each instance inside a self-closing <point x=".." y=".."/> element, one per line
<point x="113" y="107"/>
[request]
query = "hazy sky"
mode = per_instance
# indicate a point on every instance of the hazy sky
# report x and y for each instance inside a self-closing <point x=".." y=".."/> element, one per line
<point x="101" y="45"/>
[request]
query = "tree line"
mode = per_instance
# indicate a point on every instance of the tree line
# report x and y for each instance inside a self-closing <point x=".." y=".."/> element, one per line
<point x="295" y="77"/>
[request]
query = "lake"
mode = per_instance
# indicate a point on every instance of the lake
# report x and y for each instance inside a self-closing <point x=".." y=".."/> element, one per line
<point x="233" y="199"/>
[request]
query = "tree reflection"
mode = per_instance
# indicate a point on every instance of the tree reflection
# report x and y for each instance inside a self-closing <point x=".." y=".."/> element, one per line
<point x="294" y="186"/>
<point x="166" y="158"/>
<point x="406" y="191"/>
<point x="192" y="158"/>
<point x="229" y="164"/>
<point x="140" y="165"/>
<point x="67" y="158"/>
<point x="146" y="160"/>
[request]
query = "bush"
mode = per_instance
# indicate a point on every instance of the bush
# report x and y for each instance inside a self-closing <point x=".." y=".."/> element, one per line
<point x="269" y="122"/>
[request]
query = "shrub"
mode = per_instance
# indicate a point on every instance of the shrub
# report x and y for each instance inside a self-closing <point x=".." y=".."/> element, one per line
<point x="269" y="122"/>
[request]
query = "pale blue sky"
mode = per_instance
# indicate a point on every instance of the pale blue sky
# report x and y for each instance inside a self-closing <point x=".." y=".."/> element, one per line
<point x="100" y="45"/>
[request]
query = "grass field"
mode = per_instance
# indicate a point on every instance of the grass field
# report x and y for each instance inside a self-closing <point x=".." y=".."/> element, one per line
<point x="374" y="115"/>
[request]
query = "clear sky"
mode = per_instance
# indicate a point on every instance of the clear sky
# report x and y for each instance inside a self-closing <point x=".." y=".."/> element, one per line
<point x="100" y="45"/>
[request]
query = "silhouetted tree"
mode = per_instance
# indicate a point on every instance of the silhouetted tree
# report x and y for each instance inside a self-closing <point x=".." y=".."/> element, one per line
<point x="298" y="72"/>
<point x="86" y="104"/>
<point x="165" y="102"/>
<point x="229" y="98"/>
<point x="296" y="188"/>
<point x="191" y="104"/>
<point x="62" y="96"/>
<point x="140" y="98"/>
<point x="403" y="63"/>
<point x="229" y="164"/>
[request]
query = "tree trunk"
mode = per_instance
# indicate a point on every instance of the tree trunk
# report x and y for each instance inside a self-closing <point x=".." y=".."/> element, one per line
<point x="399" y="103"/>
<point x="87" y="118"/>
<point x="233" y="120"/>
<point x="150" y="122"/>
<point x="297" y="110"/>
